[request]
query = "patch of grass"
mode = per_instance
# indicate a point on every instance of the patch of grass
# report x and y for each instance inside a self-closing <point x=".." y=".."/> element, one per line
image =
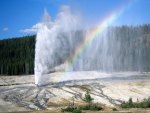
<point x="68" y="109"/>
<point x="77" y="111"/>
<point x="86" y="107"/>
<point x="130" y="104"/>
<point x="95" y="107"/>
<point x="114" y="109"/>
<point x="71" y="109"/>
<point x="90" y="106"/>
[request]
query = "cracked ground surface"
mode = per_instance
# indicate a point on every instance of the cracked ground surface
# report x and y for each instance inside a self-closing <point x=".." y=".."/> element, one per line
<point x="20" y="94"/>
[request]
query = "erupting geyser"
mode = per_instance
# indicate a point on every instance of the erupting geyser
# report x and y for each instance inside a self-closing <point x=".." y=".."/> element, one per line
<point x="55" y="42"/>
<point x="103" y="48"/>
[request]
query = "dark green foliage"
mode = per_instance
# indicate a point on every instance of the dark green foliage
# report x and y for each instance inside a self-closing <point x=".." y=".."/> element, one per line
<point x="95" y="107"/>
<point x="143" y="104"/>
<point x="88" y="97"/>
<point x="17" y="56"/>
<point x="130" y="102"/>
<point x="86" y="107"/>
<point x="77" y="111"/>
<point x="68" y="109"/>
<point x="114" y="109"/>
<point x="92" y="107"/>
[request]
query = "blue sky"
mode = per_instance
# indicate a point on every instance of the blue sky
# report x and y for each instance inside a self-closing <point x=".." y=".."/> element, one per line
<point x="16" y="15"/>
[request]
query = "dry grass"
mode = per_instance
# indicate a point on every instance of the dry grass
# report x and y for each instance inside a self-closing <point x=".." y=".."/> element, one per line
<point x="104" y="111"/>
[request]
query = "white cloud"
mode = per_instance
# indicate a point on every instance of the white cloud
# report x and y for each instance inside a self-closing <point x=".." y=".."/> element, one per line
<point x="46" y="21"/>
<point x="33" y="29"/>
<point x="5" y="29"/>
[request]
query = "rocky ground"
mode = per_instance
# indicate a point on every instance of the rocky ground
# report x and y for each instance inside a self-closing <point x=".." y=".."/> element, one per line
<point x="18" y="93"/>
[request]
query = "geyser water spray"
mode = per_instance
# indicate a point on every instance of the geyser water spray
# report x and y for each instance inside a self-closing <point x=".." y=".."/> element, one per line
<point x="55" y="42"/>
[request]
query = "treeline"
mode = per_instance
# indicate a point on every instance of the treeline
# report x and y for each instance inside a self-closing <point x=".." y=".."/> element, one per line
<point x="17" y="55"/>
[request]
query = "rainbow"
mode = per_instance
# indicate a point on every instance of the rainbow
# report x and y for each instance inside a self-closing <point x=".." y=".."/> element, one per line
<point x="101" y="27"/>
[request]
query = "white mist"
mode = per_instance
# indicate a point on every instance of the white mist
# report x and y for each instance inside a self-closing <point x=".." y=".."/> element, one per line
<point x="54" y="42"/>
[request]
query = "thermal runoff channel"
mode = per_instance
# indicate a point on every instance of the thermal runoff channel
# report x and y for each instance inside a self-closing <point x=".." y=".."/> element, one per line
<point x="64" y="43"/>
